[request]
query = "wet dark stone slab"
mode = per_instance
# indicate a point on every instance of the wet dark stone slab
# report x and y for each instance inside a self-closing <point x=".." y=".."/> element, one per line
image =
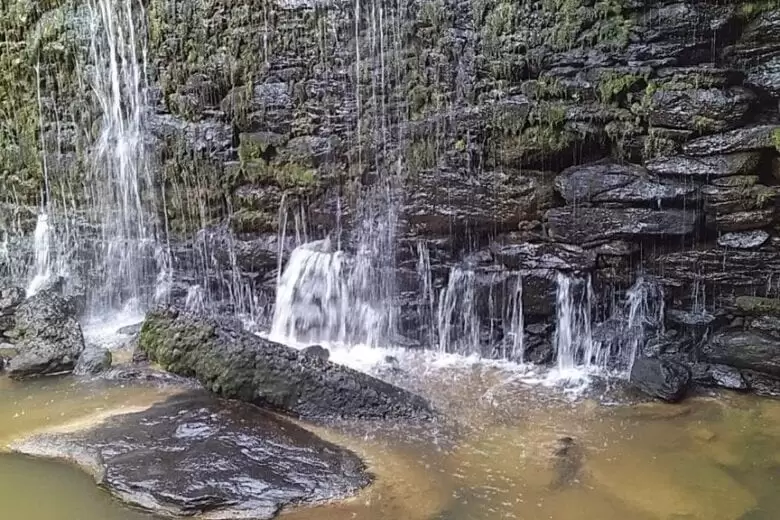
<point x="743" y="239"/>
<point x="661" y="378"/>
<point x="199" y="455"/>
<point x="560" y="257"/>
<point x="705" y="167"/>
<point x="589" y="224"/>
<point x="236" y="364"/>
<point x="739" y="140"/>
<point x="607" y="181"/>
<point x="718" y="375"/>
<point x="702" y="110"/>
<point x="744" y="349"/>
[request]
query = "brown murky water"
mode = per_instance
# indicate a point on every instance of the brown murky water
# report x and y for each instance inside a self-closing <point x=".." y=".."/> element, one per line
<point x="512" y="452"/>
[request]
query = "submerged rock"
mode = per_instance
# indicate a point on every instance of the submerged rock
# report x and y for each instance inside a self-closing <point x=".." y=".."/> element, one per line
<point x="198" y="455"/>
<point x="567" y="463"/>
<point x="664" y="379"/>
<point x="93" y="360"/>
<point x="239" y="365"/>
<point x="48" y="337"/>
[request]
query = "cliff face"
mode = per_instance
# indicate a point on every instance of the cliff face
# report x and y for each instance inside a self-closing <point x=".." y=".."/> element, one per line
<point x="556" y="135"/>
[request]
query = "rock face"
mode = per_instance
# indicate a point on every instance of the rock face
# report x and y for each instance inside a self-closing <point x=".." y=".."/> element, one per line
<point x="664" y="379"/>
<point x="197" y="455"/>
<point x="47" y="336"/>
<point x="480" y="144"/>
<point x="240" y="365"/>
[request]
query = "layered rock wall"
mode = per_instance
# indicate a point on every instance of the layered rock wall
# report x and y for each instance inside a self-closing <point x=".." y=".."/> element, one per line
<point x="597" y="138"/>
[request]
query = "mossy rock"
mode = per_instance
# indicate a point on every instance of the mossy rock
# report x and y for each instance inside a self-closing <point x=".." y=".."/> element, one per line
<point x="757" y="305"/>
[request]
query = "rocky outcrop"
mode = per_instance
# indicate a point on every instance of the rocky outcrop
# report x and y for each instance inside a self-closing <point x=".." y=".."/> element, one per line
<point x="664" y="379"/>
<point x="93" y="360"/>
<point x="197" y="455"/>
<point x="239" y="365"/>
<point x="47" y="336"/>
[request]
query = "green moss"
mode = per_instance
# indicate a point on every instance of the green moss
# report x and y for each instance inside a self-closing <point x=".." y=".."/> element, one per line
<point x="434" y="14"/>
<point x="776" y="139"/>
<point x="422" y="155"/>
<point x="253" y="221"/>
<point x="499" y="23"/>
<point x="750" y="10"/>
<point x="614" y="86"/>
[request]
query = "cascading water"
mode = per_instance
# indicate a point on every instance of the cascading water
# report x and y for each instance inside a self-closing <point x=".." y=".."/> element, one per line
<point x="42" y="271"/>
<point x="122" y="195"/>
<point x="574" y="347"/>
<point x="458" y="322"/>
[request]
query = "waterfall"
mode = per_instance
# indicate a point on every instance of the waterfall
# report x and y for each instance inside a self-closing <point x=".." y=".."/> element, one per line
<point x="324" y="296"/>
<point x="643" y="313"/>
<point x="516" y="322"/>
<point x="42" y="251"/>
<point x="122" y="183"/>
<point x="458" y="322"/>
<point x="574" y="346"/>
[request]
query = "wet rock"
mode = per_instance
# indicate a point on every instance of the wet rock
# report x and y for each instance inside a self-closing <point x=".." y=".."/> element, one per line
<point x="749" y="350"/>
<point x="743" y="220"/>
<point x="93" y="360"/>
<point x="130" y="330"/>
<point x="743" y="239"/>
<point x="718" y="375"/>
<point x="690" y="319"/>
<point x="742" y="271"/>
<point x="664" y="379"/>
<point x="739" y="140"/>
<point x="607" y="181"/>
<point x="699" y="76"/>
<point x="558" y="257"/>
<point x="768" y="324"/>
<point x="48" y="337"/>
<point x="738" y="181"/>
<point x="741" y="163"/>
<point x="10" y="298"/>
<point x="719" y="200"/>
<point x="240" y="365"/>
<point x="701" y="110"/>
<point x="583" y="225"/>
<point x="762" y="384"/>
<point x="316" y="352"/>
<point x="766" y="77"/>
<point x="197" y="455"/>
<point x="441" y="201"/>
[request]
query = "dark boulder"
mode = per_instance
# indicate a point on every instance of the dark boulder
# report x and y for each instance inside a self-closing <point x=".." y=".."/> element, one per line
<point x="742" y="220"/>
<point x="581" y="225"/>
<point x="749" y="350"/>
<point x="239" y="365"/>
<point x="701" y="110"/>
<point x="766" y="77"/>
<point x="93" y="360"/>
<point x="757" y="305"/>
<point x="739" y="140"/>
<point x="743" y="239"/>
<point x="48" y="336"/>
<point x="130" y="330"/>
<point x="705" y="167"/>
<point x="664" y="379"/>
<point x="607" y="181"/>
<point x="198" y="455"/>
<point x="316" y="352"/>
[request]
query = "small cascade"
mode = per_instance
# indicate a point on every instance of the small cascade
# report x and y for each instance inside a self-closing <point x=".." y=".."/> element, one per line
<point x="195" y="301"/>
<point x="574" y="346"/>
<point x="42" y="268"/>
<point x="643" y="313"/>
<point x="516" y="323"/>
<point x="458" y="321"/>
<point x="426" y="301"/>
<point x="325" y="296"/>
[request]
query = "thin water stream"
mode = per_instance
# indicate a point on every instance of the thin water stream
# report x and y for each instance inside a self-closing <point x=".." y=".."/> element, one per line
<point x="508" y="450"/>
